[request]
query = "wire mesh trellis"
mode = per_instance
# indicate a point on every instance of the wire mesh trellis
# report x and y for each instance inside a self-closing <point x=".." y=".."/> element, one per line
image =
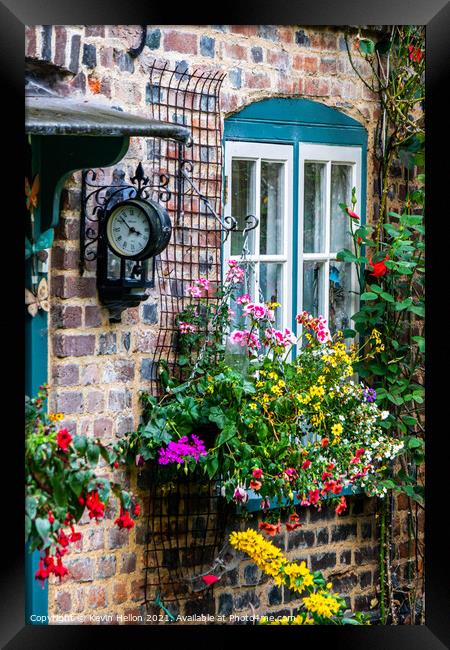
<point x="186" y="516"/>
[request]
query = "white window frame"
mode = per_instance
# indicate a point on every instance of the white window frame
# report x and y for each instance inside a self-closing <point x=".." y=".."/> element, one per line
<point x="267" y="152"/>
<point x="328" y="154"/>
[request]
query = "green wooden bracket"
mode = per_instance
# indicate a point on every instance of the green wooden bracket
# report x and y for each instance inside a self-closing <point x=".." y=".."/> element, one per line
<point x="54" y="158"/>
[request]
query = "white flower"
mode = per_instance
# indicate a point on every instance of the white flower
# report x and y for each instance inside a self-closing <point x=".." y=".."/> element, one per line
<point x="384" y="415"/>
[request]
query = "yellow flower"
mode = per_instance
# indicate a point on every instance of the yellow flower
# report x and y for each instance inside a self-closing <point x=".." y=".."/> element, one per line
<point x="337" y="429"/>
<point x="253" y="406"/>
<point x="321" y="379"/>
<point x="321" y="605"/>
<point x="281" y="383"/>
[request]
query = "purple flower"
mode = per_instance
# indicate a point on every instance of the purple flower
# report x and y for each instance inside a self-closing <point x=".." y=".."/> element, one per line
<point x="370" y="395"/>
<point x="240" y="495"/>
<point x="182" y="450"/>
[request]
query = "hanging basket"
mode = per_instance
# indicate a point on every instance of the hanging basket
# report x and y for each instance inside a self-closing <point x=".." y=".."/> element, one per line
<point x="186" y="529"/>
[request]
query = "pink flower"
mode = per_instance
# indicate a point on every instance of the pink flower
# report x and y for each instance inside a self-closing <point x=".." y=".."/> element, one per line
<point x="256" y="310"/>
<point x="244" y="299"/>
<point x="235" y="273"/>
<point x="285" y="338"/>
<point x="257" y="473"/>
<point x="210" y="580"/>
<point x="352" y="214"/>
<point x="306" y="464"/>
<point x="242" y="337"/>
<point x="204" y="283"/>
<point x="237" y="336"/>
<point x="314" y="496"/>
<point x="186" y="328"/>
<point x="195" y="291"/>
<point x="240" y="495"/>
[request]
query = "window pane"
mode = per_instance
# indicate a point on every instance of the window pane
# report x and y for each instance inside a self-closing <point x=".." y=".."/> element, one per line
<point x="248" y="286"/>
<point x="272" y="208"/>
<point x="242" y="201"/>
<point x="340" y="296"/>
<point x="341" y="192"/>
<point x="271" y="284"/>
<point x="313" y="287"/>
<point x="314" y="208"/>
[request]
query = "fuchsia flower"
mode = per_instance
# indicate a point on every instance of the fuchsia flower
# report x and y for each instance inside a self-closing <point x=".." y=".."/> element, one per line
<point x="186" y="328"/>
<point x="182" y="450"/>
<point x="240" y="495"/>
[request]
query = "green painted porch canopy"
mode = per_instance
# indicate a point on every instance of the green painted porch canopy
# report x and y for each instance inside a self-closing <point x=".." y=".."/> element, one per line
<point x="49" y="115"/>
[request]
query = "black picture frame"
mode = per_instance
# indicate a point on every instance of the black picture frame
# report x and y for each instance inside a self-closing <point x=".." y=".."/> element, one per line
<point x="435" y="14"/>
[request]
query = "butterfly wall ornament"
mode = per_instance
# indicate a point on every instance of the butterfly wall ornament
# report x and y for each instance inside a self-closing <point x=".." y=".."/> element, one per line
<point x="45" y="239"/>
<point x="38" y="301"/>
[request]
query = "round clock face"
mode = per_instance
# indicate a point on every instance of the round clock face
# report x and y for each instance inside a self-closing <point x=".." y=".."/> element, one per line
<point x="128" y="230"/>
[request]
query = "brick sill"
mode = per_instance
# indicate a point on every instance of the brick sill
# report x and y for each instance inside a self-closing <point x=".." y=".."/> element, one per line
<point x="254" y="501"/>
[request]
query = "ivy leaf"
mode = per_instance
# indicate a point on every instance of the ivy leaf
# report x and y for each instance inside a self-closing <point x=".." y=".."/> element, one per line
<point x="93" y="453"/>
<point x="366" y="46"/>
<point x="43" y="528"/>
<point x="31" y="507"/>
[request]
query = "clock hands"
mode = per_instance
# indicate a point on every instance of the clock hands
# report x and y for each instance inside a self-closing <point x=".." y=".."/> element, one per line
<point x="130" y="228"/>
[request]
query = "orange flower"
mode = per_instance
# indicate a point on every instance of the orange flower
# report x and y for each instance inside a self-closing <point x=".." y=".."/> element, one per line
<point x="271" y="529"/>
<point x="255" y="485"/>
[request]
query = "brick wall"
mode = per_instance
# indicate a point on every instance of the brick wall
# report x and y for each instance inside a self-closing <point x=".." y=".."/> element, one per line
<point x="96" y="369"/>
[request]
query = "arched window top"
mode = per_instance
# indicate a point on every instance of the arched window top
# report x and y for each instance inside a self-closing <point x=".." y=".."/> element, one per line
<point x="294" y="119"/>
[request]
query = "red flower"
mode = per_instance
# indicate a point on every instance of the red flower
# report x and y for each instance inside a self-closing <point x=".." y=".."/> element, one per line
<point x="271" y="529"/>
<point x="60" y="570"/>
<point x="63" y="540"/>
<point x="352" y="214"/>
<point x="379" y="268"/>
<point x="81" y="500"/>
<point x="294" y="522"/>
<point x="116" y="464"/>
<point x="50" y="516"/>
<point x="342" y="506"/>
<point x="136" y="510"/>
<point x="255" y="485"/>
<point x="360" y="241"/>
<point x="124" y="520"/>
<point x="326" y="475"/>
<point x="257" y="473"/>
<point x="324" y="442"/>
<point x="306" y="464"/>
<point x="63" y="439"/>
<point x="314" y="496"/>
<point x="210" y="580"/>
<point x="74" y="537"/>
<point x="41" y="573"/>
<point x="330" y="466"/>
<point x="49" y="562"/>
<point x="95" y="506"/>
<point x="415" y="53"/>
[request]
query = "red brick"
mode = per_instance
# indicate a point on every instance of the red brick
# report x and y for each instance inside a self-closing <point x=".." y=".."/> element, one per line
<point x="297" y="62"/>
<point x="94" y="538"/>
<point x="120" y="592"/>
<point x="81" y="569"/>
<point x="63" y="602"/>
<point x="137" y="590"/>
<point x="96" y="597"/>
<point x="257" y="80"/>
<point x="95" y="30"/>
<point x="92" y="316"/>
<point x="79" y="600"/>
<point x="278" y="59"/>
<point x="73" y="345"/>
<point x="118" y="538"/>
<point x="286" y="34"/>
<point x="65" y="317"/>
<point x="310" y="64"/>
<point x="245" y="30"/>
<point x="65" y="258"/>
<point x="70" y="402"/>
<point x="324" y="41"/>
<point x="328" y="65"/>
<point x="234" y="51"/>
<point x="317" y="87"/>
<point x="90" y="374"/>
<point x="30" y="41"/>
<point x="128" y="564"/>
<point x="130" y="316"/>
<point x="95" y="402"/>
<point x="106" y="566"/>
<point x="103" y="428"/>
<point x="60" y="45"/>
<point x="73" y="287"/>
<point x="68" y="375"/>
<point x="177" y="41"/>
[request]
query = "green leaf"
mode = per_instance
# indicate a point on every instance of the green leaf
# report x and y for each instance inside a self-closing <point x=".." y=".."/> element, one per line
<point x="414" y="443"/>
<point x="387" y="296"/>
<point x="217" y="416"/>
<point x="27" y="528"/>
<point x="80" y="443"/>
<point x="75" y="483"/>
<point x="43" y="528"/>
<point x="125" y="500"/>
<point x="346" y="256"/>
<point x="31" y="506"/>
<point x="228" y="432"/>
<point x="349" y="333"/>
<point x="368" y="295"/>
<point x="404" y="304"/>
<point x="182" y="360"/>
<point x="349" y="621"/>
<point x="420" y="342"/>
<point x="375" y="288"/>
<point x="410" y="421"/>
<point x="212" y="465"/>
<point x="367" y="46"/>
<point x="93" y="453"/>
<point x="388" y="484"/>
<point x="45" y="240"/>
<point x="418" y="309"/>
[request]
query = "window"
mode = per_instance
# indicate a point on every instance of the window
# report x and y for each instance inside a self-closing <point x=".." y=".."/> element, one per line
<point x="261" y="185"/>
<point x="327" y="286"/>
<point x="290" y="162"/>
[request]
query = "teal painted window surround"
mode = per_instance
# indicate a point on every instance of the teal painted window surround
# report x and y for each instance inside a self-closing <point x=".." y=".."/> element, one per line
<point x="254" y="501"/>
<point x="298" y="122"/>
